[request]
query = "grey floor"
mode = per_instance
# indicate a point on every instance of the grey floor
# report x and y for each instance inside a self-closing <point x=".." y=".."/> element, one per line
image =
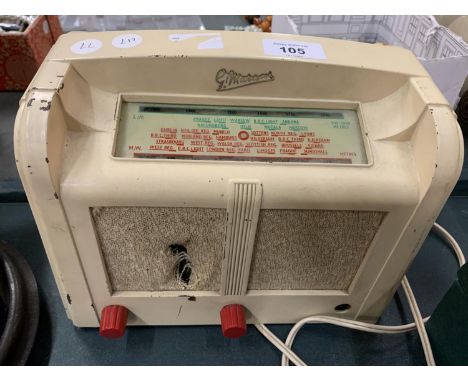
<point x="59" y="343"/>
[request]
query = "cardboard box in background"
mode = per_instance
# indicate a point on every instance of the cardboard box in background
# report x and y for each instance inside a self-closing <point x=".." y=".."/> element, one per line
<point x="442" y="53"/>
<point x="21" y="53"/>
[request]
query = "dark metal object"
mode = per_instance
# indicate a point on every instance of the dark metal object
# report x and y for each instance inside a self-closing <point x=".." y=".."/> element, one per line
<point x="8" y="27"/>
<point x="16" y="23"/>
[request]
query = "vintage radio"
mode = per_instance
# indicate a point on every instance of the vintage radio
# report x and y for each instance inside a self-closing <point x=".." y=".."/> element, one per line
<point x="174" y="175"/>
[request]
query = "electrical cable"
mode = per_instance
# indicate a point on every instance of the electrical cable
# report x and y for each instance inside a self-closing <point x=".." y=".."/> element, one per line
<point x="21" y="296"/>
<point x="449" y="239"/>
<point x="418" y="320"/>
<point x="366" y="327"/>
<point x="280" y="345"/>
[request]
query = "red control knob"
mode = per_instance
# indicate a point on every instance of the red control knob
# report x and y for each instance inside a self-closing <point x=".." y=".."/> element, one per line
<point x="233" y="321"/>
<point x="113" y="321"/>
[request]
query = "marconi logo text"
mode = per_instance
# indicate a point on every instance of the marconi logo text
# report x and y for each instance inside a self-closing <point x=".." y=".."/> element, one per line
<point x="230" y="79"/>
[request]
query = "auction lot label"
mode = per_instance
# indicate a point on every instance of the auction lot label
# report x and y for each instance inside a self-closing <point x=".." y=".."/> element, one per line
<point x="239" y="133"/>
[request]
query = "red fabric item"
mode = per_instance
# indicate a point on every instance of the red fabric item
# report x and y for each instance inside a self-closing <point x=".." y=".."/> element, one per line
<point x="21" y="53"/>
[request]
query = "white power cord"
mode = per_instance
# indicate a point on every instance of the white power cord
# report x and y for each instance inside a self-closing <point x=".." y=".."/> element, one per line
<point x="445" y="235"/>
<point x="280" y="345"/>
<point x="418" y="320"/>
<point x="289" y="355"/>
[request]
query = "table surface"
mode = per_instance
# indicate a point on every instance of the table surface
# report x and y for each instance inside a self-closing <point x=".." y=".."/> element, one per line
<point x="60" y="343"/>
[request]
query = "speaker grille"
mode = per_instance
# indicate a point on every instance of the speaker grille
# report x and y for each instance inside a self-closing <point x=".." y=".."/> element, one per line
<point x="310" y="249"/>
<point x="135" y="240"/>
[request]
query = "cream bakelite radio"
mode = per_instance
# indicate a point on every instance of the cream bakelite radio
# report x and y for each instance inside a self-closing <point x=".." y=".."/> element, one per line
<point x="199" y="177"/>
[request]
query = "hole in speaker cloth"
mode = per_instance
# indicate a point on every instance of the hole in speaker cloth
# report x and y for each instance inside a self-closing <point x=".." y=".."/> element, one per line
<point x="183" y="265"/>
<point x="134" y="245"/>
